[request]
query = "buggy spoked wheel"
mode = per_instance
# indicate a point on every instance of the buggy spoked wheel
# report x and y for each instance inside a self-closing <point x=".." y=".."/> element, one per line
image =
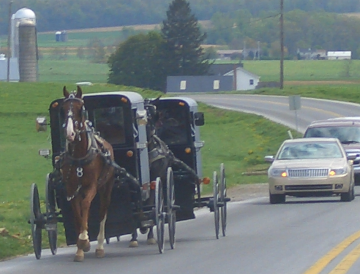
<point x="223" y="199"/>
<point x="36" y="220"/>
<point x="170" y="202"/>
<point x="159" y="215"/>
<point x="51" y="220"/>
<point x="215" y="204"/>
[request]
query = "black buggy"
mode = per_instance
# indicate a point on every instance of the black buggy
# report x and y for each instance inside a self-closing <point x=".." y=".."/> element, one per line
<point x="121" y="118"/>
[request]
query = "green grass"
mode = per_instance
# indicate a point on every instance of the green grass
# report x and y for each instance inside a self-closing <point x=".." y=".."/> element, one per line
<point x="306" y="70"/>
<point x="72" y="70"/>
<point x="76" y="70"/>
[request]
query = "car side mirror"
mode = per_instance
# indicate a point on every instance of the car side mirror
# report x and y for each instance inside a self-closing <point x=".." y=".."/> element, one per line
<point x="41" y="124"/>
<point x="269" y="159"/>
<point x="352" y="156"/>
<point x="199" y="118"/>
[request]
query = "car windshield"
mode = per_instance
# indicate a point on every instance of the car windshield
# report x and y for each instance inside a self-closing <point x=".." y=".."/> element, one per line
<point x="296" y="151"/>
<point x="346" y="135"/>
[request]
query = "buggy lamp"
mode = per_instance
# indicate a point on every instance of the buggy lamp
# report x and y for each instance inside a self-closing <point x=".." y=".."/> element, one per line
<point x="206" y="180"/>
<point x="44" y="152"/>
<point x="129" y="153"/>
<point x="41" y="124"/>
<point x="187" y="150"/>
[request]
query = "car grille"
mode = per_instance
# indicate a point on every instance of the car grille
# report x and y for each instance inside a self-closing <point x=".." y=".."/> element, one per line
<point x="308" y="187"/>
<point x="319" y="172"/>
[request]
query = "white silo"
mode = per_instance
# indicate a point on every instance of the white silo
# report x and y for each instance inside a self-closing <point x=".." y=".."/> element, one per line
<point x="24" y="44"/>
<point x="23" y="14"/>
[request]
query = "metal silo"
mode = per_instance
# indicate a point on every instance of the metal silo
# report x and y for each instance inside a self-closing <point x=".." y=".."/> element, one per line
<point x="28" y="61"/>
<point x="16" y="19"/>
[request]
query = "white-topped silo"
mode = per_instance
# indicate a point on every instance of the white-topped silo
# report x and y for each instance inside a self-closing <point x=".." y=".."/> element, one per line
<point x="23" y="14"/>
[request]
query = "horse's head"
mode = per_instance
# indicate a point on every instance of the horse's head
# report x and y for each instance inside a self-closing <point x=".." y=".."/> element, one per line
<point x="152" y="116"/>
<point x="73" y="109"/>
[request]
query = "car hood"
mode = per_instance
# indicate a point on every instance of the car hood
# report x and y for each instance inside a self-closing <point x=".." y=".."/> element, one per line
<point x="312" y="163"/>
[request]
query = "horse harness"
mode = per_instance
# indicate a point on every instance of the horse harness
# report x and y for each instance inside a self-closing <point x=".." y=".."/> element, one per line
<point x="95" y="148"/>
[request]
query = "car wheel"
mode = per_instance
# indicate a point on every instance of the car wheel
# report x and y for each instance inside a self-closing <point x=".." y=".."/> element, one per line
<point x="277" y="198"/>
<point x="348" y="196"/>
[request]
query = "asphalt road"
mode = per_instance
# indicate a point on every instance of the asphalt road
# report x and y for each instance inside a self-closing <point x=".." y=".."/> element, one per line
<point x="310" y="236"/>
<point x="276" y="108"/>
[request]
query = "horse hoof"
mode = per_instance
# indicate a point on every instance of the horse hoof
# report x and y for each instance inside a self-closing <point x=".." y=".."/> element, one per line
<point x="143" y="230"/>
<point x="78" y="258"/>
<point x="133" y="244"/>
<point x="151" y="241"/>
<point x="99" y="253"/>
<point x="84" y="245"/>
<point x="87" y="248"/>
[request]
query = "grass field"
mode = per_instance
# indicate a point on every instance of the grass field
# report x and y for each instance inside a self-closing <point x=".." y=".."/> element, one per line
<point x="295" y="72"/>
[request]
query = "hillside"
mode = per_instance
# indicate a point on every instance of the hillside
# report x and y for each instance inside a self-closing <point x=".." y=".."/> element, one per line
<point x="67" y="14"/>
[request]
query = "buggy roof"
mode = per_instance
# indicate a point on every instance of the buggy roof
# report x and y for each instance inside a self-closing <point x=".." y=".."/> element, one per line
<point x="132" y="96"/>
<point x="190" y="102"/>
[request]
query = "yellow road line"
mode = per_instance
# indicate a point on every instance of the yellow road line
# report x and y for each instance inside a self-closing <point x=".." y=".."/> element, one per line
<point x="324" y="261"/>
<point x="344" y="266"/>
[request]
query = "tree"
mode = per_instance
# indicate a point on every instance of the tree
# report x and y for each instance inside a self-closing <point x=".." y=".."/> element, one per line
<point x="96" y="51"/>
<point x="137" y="62"/>
<point x="182" y="50"/>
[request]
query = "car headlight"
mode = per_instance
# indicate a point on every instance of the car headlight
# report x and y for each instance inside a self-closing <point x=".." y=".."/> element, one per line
<point x="278" y="172"/>
<point x="337" y="171"/>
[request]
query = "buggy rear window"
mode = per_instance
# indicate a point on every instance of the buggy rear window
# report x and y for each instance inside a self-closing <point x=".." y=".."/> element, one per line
<point x="110" y="123"/>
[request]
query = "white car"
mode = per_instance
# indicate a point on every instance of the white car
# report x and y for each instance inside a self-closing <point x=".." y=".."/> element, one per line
<point x="311" y="167"/>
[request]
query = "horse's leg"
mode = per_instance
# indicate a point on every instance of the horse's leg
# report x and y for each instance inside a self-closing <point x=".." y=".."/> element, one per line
<point x="104" y="205"/>
<point x="133" y="241"/>
<point x="83" y="242"/>
<point x="79" y="255"/>
<point x="150" y="238"/>
<point x="99" y="253"/>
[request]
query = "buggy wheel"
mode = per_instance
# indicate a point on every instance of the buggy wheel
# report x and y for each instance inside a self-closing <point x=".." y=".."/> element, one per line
<point x="170" y="202"/>
<point x="223" y="199"/>
<point x="159" y="215"/>
<point x="35" y="220"/>
<point x="215" y="204"/>
<point x="51" y="220"/>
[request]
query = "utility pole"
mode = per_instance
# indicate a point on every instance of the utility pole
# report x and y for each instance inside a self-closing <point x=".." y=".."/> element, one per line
<point x="8" y="45"/>
<point x="282" y="44"/>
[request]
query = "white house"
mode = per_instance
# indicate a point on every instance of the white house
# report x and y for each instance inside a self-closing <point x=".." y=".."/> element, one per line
<point x="339" y="55"/>
<point x="244" y="80"/>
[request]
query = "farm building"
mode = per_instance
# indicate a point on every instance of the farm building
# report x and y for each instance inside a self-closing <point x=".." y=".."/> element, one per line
<point x="339" y="55"/>
<point x="244" y="80"/>
<point x="14" y="69"/>
<point x="228" y="54"/>
<point x="221" y="79"/>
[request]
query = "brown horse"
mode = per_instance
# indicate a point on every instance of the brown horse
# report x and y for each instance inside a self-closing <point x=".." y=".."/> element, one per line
<point x="86" y="171"/>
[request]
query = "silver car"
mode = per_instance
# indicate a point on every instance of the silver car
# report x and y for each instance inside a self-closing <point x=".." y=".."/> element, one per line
<point x="346" y="129"/>
<point x="311" y="167"/>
